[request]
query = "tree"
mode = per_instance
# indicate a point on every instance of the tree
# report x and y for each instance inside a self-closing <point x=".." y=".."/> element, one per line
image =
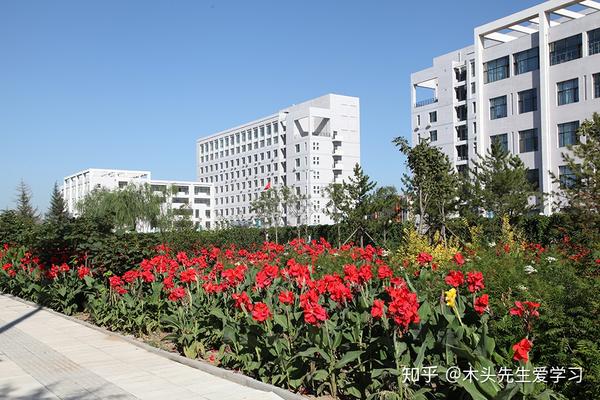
<point x="383" y="202"/>
<point x="24" y="208"/>
<point x="579" y="188"/>
<point x="337" y="206"/>
<point x="431" y="187"/>
<point x="58" y="211"/>
<point x="267" y="209"/>
<point x="499" y="185"/>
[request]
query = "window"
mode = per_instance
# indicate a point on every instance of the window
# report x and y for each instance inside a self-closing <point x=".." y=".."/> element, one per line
<point x="472" y="68"/>
<point x="568" y="91"/>
<point x="495" y="70"/>
<point x="297" y="147"/>
<point x="498" y="107"/>
<point x="566" y="177"/>
<point x="461" y="74"/>
<point x="461" y="112"/>
<point x="461" y="93"/>
<point x="462" y="152"/>
<point x="567" y="134"/>
<point x="433" y="116"/>
<point x="533" y="176"/>
<point x="315" y="160"/>
<point x="461" y="132"/>
<point x="418" y="120"/>
<point x="597" y="85"/>
<point x="527" y="60"/>
<point x="433" y="136"/>
<point x="472" y="87"/>
<point x="565" y="50"/>
<point x="594" y="41"/>
<point x="501" y="140"/>
<point x="528" y="141"/>
<point x="297" y="162"/>
<point x="527" y="101"/>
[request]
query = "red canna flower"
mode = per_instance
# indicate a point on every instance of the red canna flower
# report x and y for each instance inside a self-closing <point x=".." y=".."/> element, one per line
<point x="148" y="276"/>
<point x="459" y="259"/>
<point x="314" y="313"/>
<point x="525" y="309"/>
<point x="365" y="273"/>
<point x="83" y="271"/>
<point x="286" y="297"/>
<point x="424" y="258"/>
<point x="242" y="299"/>
<point x="475" y="281"/>
<point x="384" y="272"/>
<point x="130" y="276"/>
<point x="188" y="275"/>
<point x="522" y="350"/>
<point x="455" y="278"/>
<point x="177" y="293"/>
<point x="481" y="304"/>
<point x="64" y="268"/>
<point x="7" y="266"/>
<point x="115" y="281"/>
<point x="261" y="312"/>
<point x="378" y="308"/>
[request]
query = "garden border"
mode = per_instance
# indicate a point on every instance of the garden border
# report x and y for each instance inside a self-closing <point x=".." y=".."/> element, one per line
<point x="231" y="376"/>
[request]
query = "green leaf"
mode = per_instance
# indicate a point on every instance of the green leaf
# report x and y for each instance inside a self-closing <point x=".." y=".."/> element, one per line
<point x="348" y="358"/>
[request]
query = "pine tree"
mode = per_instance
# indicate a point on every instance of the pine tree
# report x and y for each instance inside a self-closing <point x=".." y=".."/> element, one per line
<point x="499" y="185"/>
<point x="58" y="210"/>
<point x="25" y="210"/>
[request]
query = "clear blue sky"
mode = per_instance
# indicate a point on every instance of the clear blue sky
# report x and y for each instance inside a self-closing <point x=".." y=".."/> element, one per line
<point x="133" y="84"/>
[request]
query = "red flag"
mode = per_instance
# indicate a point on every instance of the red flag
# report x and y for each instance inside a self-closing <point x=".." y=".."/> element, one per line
<point x="268" y="185"/>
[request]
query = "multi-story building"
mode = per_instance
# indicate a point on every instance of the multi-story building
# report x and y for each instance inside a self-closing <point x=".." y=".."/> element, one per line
<point x="305" y="147"/>
<point x="186" y="199"/>
<point x="528" y="82"/>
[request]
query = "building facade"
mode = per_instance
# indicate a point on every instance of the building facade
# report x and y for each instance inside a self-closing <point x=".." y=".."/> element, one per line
<point x="305" y="147"/>
<point x="185" y="199"/>
<point x="528" y="82"/>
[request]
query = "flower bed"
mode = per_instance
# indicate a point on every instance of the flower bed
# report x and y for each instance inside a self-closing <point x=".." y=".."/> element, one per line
<point x="367" y="331"/>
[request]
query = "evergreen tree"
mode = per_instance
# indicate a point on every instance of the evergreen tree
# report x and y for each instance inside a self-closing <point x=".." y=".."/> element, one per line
<point x="24" y="208"/>
<point x="58" y="210"/>
<point x="579" y="192"/>
<point x="499" y="185"/>
<point x="431" y="187"/>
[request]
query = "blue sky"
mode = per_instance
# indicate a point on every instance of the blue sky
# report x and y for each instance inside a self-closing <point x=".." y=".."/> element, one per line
<point x="133" y="84"/>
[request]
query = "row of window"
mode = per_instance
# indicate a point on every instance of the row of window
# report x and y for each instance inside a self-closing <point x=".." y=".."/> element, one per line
<point x="236" y="163"/>
<point x="528" y="139"/>
<point x="240" y="137"/>
<point x="239" y="149"/>
<point x="560" y="51"/>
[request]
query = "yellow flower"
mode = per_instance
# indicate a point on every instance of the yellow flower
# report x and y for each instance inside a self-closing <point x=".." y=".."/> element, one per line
<point x="451" y="298"/>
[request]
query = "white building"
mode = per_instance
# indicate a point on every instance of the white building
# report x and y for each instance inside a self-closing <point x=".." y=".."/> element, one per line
<point x="191" y="199"/>
<point x="528" y="82"/>
<point x="306" y="147"/>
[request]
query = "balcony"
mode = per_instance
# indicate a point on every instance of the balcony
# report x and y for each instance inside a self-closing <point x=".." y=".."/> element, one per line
<point x="425" y="102"/>
<point x="337" y="137"/>
<point x="338" y="165"/>
<point x="337" y="151"/>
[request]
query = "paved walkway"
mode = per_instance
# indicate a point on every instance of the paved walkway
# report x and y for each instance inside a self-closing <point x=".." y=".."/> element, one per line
<point x="46" y="356"/>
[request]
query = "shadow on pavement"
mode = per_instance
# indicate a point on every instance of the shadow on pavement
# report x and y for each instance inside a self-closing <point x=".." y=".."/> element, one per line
<point x="17" y="321"/>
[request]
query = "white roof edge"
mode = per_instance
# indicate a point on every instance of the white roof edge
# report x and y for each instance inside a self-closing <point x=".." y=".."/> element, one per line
<point x="167" y="181"/>
<point x="107" y="169"/>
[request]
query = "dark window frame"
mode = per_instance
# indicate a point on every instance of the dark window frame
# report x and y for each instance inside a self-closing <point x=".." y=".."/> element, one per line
<point x="568" y="137"/>
<point x="566" y="49"/>
<point x="530" y="142"/>
<point x="526" y="61"/>
<point x="501" y="139"/>
<point x="495" y="70"/>
<point x="498" y="109"/>
<point x="527" y="104"/>
<point x="562" y="92"/>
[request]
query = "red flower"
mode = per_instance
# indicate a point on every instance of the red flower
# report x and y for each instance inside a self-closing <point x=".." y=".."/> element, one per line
<point x="481" y="304"/>
<point x="314" y="313"/>
<point x="286" y="297"/>
<point x="525" y="309"/>
<point x="475" y="281"/>
<point x="82" y="271"/>
<point x="242" y="299"/>
<point x="351" y="273"/>
<point x="506" y="248"/>
<point x="188" y="275"/>
<point x="177" y="293"/>
<point x="459" y="259"/>
<point x="52" y="272"/>
<point x="365" y="273"/>
<point x="115" y="281"/>
<point x="6" y="267"/>
<point x="384" y="272"/>
<point x="404" y="306"/>
<point x="261" y="312"/>
<point x="339" y="292"/>
<point x="167" y="282"/>
<point x="130" y="276"/>
<point x="455" y="278"/>
<point x="424" y="258"/>
<point x="522" y="350"/>
<point x="378" y="308"/>
<point x="64" y="268"/>
<point x="148" y="276"/>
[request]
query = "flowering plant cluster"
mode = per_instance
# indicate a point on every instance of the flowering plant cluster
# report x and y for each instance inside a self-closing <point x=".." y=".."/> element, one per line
<point x="273" y="314"/>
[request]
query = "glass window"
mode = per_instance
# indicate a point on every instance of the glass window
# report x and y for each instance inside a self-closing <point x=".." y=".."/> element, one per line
<point x="527" y="101"/>
<point x="527" y="60"/>
<point x="528" y="141"/>
<point x="502" y="140"/>
<point x="297" y="147"/>
<point x="472" y="68"/>
<point x="597" y="85"/>
<point x="495" y="70"/>
<point x="565" y="50"/>
<point x="568" y="91"/>
<point x="594" y="41"/>
<point x="567" y="134"/>
<point x="461" y="112"/>
<point x="433" y="116"/>
<point x="498" y="107"/>
<point x="433" y="136"/>
<point x="533" y="176"/>
<point x="461" y="132"/>
<point x="462" y="152"/>
<point x="566" y="176"/>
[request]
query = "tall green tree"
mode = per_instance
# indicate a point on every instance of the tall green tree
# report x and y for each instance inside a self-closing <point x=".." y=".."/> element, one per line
<point x="431" y="185"/>
<point x="579" y="190"/>
<point x="57" y="212"/>
<point x="268" y="210"/>
<point x="383" y="210"/>
<point x="338" y="206"/>
<point x="499" y="185"/>
<point x="25" y="209"/>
